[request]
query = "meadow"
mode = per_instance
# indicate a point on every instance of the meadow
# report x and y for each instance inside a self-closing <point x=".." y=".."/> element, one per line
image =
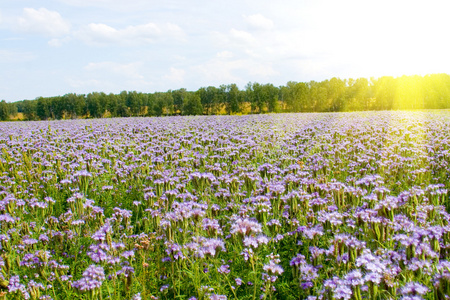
<point x="283" y="206"/>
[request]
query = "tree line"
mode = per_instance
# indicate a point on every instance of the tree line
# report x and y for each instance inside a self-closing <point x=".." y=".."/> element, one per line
<point x="333" y="95"/>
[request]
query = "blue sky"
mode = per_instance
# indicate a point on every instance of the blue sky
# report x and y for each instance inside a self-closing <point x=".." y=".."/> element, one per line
<point x="54" y="47"/>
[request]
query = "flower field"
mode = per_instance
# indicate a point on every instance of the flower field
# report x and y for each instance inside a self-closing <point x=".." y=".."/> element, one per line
<point x="287" y="206"/>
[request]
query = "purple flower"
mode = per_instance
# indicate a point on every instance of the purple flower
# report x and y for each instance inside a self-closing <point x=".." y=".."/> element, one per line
<point x="250" y="241"/>
<point x="137" y="297"/>
<point x="373" y="277"/>
<point x="82" y="173"/>
<point x="164" y="287"/>
<point x="354" y="278"/>
<point x="273" y="268"/>
<point x="224" y="269"/>
<point x="93" y="278"/>
<point x="306" y="285"/>
<point x="212" y="246"/>
<point x="6" y="218"/>
<point x="98" y="253"/>
<point x="15" y="286"/>
<point x="126" y="271"/>
<point x="308" y="272"/>
<point x="212" y="226"/>
<point x="217" y="297"/>
<point x="342" y="292"/>
<point x="298" y="260"/>
<point x="245" y="227"/>
<point x="127" y="254"/>
<point x="414" y="288"/>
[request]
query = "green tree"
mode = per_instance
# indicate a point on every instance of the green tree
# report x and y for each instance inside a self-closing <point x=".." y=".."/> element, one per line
<point x="12" y="109"/>
<point x="210" y="99"/>
<point x="192" y="104"/>
<point x="111" y="104"/>
<point x="318" y="95"/>
<point x="178" y="99"/>
<point x="234" y="99"/>
<point x="259" y="99"/>
<point x="290" y="96"/>
<point x="93" y="102"/>
<point x="4" y="111"/>
<point x="295" y="96"/>
<point x="336" y="94"/>
<point x="151" y="101"/>
<point x="384" y="90"/>
<point x="29" y="110"/>
<point x="168" y="103"/>
<point x="358" y="94"/>
<point x="122" y="109"/>
<point x="163" y="103"/>
<point x="43" y="108"/>
<point x="134" y="101"/>
<point x="436" y="91"/>
<point x="270" y="95"/>
<point x="73" y="105"/>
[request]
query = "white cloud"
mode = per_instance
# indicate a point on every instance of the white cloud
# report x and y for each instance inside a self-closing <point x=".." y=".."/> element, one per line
<point x="221" y="70"/>
<point x="259" y="22"/>
<point x="128" y="70"/>
<point x="102" y="34"/>
<point x="43" y="21"/>
<point x="109" y="76"/>
<point x="175" y="75"/>
<point x="262" y="70"/>
<point x="8" y="56"/>
<point x="59" y="42"/>
<point x="89" y="83"/>
<point x="118" y="5"/>
<point x="241" y="36"/>
<point x="217" y="71"/>
<point x="225" y="54"/>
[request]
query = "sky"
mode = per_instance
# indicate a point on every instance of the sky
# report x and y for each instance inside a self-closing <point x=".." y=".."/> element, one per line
<point x="54" y="47"/>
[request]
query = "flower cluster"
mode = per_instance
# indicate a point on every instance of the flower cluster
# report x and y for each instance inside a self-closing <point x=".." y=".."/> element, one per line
<point x="305" y="206"/>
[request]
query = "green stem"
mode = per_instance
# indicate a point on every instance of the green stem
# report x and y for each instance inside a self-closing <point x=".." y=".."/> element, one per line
<point x="231" y="287"/>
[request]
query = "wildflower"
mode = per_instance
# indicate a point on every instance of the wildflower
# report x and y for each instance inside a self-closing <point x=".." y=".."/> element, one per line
<point x="342" y="292"/>
<point x="354" y="278"/>
<point x="82" y="173"/>
<point x="93" y="278"/>
<point x="212" y="246"/>
<point x="7" y="218"/>
<point x="15" y="286"/>
<point x="250" y="241"/>
<point x="98" y="253"/>
<point x="298" y="260"/>
<point x="245" y="227"/>
<point x="238" y="281"/>
<point x="217" y="297"/>
<point x="273" y="268"/>
<point x="212" y="226"/>
<point x="414" y="288"/>
<point x="126" y="271"/>
<point x="43" y="238"/>
<point x="127" y="254"/>
<point x="137" y="297"/>
<point x="308" y="273"/>
<point x="164" y="287"/>
<point x="373" y="277"/>
<point x="224" y="269"/>
<point x="247" y="253"/>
